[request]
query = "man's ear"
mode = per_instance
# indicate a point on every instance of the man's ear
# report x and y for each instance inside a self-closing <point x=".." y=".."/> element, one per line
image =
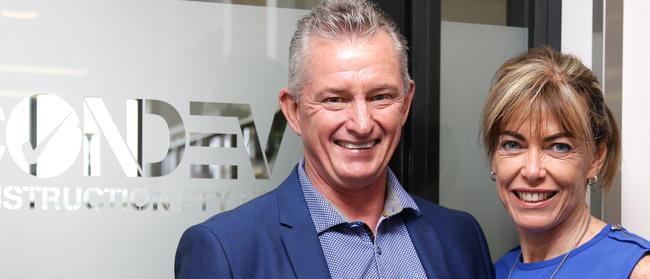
<point x="597" y="161"/>
<point x="407" y="101"/>
<point x="289" y="108"/>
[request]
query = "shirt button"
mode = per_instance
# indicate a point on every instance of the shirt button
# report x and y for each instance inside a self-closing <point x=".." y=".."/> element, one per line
<point x="378" y="250"/>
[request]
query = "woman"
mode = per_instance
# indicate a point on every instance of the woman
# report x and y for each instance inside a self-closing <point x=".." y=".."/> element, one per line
<point x="550" y="137"/>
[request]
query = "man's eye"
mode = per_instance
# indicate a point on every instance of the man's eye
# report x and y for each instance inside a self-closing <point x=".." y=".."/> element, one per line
<point x="381" y="97"/>
<point x="561" y="147"/>
<point x="334" y="100"/>
<point x="510" y="145"/>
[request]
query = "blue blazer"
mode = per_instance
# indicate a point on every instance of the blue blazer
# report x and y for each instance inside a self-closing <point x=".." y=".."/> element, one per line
<point x="273" y="236"/>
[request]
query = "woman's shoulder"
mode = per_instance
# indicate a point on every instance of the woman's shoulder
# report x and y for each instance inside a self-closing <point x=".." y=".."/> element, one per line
<point x="641" y="267"/>
<point x="621" y="234"/>
<point x="503" y="264"/>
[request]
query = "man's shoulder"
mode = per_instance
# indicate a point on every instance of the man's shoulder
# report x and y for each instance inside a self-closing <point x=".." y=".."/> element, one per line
<point x="260" y="210"/>
<point x="239" y="229"/>
<point x="440" y="213"/>
<point x="236" y="241"/>
<point x="446" y="220"/>
<point x="457" y="234"/>
<point x="249" y="214"/>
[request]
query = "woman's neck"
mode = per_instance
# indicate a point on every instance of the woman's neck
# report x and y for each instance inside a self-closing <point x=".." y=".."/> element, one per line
<point x="574" y="231"/>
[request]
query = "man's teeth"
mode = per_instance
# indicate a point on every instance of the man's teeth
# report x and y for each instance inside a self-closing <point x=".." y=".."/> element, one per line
<point x="534" y="197"/>
<point x="350" y="145"/>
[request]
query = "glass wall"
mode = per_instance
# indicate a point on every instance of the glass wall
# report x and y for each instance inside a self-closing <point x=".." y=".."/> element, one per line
<point x="475" y="41"/>
<point x="124" y="122"/>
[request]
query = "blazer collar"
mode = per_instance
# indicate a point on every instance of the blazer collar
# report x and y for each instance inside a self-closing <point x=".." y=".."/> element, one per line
<point x="300" y="238"/>
<point x="427" y="244"/>
<point x="298" y="231"/>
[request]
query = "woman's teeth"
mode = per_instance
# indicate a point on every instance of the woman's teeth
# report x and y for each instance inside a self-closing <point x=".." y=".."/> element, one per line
<point x="534" y="197"/>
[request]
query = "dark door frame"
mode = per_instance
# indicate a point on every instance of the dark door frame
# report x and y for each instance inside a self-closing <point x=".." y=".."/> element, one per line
<point x="416" y="159"/>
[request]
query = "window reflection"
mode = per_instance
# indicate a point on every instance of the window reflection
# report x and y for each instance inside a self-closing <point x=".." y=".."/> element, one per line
<point x="294" y="4"/>
<point x="492" y="12"/>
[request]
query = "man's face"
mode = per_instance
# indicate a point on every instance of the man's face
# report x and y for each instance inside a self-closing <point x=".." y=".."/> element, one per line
<point x="351" y="110"/>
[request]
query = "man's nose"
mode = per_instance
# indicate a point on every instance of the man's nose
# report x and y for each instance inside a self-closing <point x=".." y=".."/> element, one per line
<point x="360" y="120"/>
<point x="533" y="168"/>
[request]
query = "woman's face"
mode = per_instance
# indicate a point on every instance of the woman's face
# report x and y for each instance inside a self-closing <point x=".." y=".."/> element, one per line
<point x="541" y="176"/>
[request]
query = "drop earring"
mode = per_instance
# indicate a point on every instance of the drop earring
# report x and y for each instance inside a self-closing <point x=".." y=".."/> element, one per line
<point x="592" y="181"/>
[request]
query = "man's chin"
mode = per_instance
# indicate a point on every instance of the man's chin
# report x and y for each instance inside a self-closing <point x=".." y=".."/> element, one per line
<point x="362" y="178"/>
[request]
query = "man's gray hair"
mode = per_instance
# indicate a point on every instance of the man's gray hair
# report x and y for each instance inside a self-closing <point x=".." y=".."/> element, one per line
<point x="336" y="19"/>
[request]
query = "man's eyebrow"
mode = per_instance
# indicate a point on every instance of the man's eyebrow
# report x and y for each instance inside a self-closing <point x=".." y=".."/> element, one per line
<point x="332" y="90"/>
<point x="383" y="87"/>
<point x="513" y="134"/>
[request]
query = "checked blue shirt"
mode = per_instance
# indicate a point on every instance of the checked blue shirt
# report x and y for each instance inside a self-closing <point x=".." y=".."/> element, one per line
<point x="349" y="247"/>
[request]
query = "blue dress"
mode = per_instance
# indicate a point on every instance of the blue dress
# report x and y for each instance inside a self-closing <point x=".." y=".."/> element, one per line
<point x="612" y="253"/>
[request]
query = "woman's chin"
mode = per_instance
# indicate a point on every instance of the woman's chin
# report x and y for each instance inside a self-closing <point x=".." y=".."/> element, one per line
<point x="533" y="224"/>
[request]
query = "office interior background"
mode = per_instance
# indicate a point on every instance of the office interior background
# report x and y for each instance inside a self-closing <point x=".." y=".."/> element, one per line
<point x="124" y="122"/>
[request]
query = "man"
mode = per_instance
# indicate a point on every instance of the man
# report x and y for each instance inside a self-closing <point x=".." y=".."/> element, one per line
<point x="341" y="213"/>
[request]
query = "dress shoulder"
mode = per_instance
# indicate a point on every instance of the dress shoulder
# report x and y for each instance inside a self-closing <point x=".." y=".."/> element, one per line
<point x="503" y="265"/>
<point x="620" y="233"/>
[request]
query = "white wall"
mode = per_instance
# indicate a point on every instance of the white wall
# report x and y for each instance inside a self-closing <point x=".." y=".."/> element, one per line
<point x="636" y="117"/>
<point x="577" y="31"/>
<point x="577" y="39"/>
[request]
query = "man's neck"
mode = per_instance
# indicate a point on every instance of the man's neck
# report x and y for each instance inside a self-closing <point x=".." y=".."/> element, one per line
<point x="364" y="203"/>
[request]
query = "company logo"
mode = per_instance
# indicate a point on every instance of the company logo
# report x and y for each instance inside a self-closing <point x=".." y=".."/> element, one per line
<point x="45" y="135"/>
<point x="59" y="140"/>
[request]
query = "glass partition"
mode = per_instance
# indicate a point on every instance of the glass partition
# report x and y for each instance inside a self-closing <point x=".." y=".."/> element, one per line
<point x="122" y="123"/>
<point x="475" y="41"/>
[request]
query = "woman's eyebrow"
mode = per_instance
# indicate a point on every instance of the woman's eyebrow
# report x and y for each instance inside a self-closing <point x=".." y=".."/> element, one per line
<point x="558" y="135"/>
<point x="513" y="134"/>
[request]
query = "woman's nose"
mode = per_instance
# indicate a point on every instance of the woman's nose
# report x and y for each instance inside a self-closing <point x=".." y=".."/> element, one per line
<point x="533" y="168"/>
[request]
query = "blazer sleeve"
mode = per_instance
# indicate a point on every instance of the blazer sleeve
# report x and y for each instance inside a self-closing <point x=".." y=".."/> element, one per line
<point x="484" y="250"/>
<point x="200" y="254"/>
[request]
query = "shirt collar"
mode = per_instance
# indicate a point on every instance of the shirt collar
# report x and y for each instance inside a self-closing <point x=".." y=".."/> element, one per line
<point x="325" y="215"/>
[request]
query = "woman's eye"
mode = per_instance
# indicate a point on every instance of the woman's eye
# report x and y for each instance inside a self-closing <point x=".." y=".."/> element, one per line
<point x="510" y="145"/>
<point x="561" y="147"/>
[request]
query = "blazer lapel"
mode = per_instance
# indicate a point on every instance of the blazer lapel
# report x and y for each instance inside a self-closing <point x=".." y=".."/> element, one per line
<point x="298" y="231"/>
<point x="427" y="244"/>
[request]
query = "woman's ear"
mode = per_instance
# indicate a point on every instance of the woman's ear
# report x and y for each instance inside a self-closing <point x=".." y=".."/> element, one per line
<point x="492" y="164"/>
<point x="597" y="161"/>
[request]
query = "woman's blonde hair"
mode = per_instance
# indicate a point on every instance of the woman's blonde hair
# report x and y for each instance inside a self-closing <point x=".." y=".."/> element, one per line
<point x="545" y="80"/>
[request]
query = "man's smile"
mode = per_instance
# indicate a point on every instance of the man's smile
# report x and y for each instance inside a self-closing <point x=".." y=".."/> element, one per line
<point x="351" y="145"/>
